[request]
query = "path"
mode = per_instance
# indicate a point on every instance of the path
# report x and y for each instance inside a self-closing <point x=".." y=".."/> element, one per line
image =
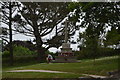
<point x="36" y="71"/>
<point x="94" y="76"/>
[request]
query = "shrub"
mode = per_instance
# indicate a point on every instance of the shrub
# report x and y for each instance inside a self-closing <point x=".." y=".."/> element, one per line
<point x="21" y="55"/>
<point x="5" y="54"/>
<point x="19" y="51"/>
<point x="27" y="44"/>
<point x="101" y="52"/>
<point x="22" y="51"/>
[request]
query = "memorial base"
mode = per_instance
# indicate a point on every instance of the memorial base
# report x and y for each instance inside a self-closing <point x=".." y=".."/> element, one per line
<point x="66" y="59"/>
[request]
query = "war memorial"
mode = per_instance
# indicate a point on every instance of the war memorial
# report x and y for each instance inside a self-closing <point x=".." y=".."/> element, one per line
<point x="66" y="55"/>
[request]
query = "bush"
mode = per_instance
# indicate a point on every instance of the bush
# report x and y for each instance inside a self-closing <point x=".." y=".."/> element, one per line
<point x="101" y="52"/>
<point x="5" y="54"/>
<point x="19" y="51"/>
<point x="22" y="51"/>
<point x="21" y="55"/>
<point x="27" y="44"/>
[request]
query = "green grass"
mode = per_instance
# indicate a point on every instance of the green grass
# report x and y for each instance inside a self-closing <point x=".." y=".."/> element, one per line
<point x="39" y="75"/>
<point x="101" y="67"/>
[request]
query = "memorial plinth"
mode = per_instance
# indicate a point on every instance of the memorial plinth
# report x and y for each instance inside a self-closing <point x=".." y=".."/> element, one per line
<point x="66" y="50"/>
<point x="66" y="54"/>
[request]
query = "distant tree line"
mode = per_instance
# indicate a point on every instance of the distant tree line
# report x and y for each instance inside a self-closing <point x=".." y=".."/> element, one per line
<point x="27" y="44"/>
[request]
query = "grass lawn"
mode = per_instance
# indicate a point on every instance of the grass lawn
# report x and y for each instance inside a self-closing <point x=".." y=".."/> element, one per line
<point x="101" y="67"/>
<point x="38" y="75"/>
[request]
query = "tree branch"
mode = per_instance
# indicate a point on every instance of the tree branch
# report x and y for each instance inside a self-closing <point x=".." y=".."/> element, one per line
<point x="25" y="17"/>
<point x="4" y="39"/>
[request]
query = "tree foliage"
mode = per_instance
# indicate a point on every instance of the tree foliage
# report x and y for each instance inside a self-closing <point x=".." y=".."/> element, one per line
<point x="101" y="16"/>
<point x="112" y="37"/>
<point x="96" y="18"/>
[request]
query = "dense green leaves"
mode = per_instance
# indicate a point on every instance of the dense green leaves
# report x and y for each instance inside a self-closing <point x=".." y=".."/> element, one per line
<point x="112" y="37"/>
<point x="22" y="51"/>
<point x="19" y="51"/>
<point x="97" y="18"/>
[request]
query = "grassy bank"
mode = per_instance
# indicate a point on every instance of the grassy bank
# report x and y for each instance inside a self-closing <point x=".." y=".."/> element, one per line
<point x="39" y="75"/>
<point x="100" y="67"/>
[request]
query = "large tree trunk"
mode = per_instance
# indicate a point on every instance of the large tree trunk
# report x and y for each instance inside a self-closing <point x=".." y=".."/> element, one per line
<point x="40" y="49"/>
<point x="41" y="54"/>
<point x="39" y="43"/>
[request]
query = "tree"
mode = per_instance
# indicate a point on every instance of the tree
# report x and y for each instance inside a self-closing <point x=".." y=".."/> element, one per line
<point x="112" y="37"/>
<point x="8" y="9"/>
<point x="96" y="18"/>
<point x="39" y="20"/>
<point x="100" y="15"/>
<point x="90" y="43"/>
<point x="106" y="15"/>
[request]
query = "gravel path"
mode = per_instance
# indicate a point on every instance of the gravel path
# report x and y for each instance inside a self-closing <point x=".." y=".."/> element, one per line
<point x="36" y="71"/>
<point x="94" y="76"/>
